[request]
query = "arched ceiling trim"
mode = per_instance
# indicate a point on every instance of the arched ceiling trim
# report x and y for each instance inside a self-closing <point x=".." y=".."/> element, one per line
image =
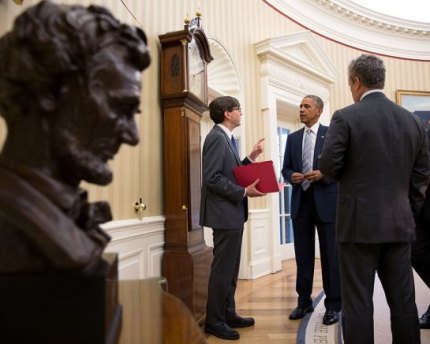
<point x="355" y="26"/>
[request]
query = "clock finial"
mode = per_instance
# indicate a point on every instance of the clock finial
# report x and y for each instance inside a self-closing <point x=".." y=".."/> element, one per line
<point x="187" y="20"/>
<point x="197" y="21"/>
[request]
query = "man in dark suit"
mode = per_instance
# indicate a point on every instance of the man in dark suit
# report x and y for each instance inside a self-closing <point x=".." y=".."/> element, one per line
<point x="378" y="152"/>
<point x="313" y="203"/>
<point x="421" y="249"/>
<point x="224" y="208"/>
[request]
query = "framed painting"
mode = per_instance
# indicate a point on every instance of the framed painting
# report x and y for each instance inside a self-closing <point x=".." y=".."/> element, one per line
<point x="417" y="102"/>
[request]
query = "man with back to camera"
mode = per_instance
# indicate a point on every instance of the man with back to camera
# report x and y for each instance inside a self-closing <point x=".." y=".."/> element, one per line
<point x="313" y="204"/>
<point x="69" y="90"/>
<point x="224" y="208"/>
<point x="378" y="152"/>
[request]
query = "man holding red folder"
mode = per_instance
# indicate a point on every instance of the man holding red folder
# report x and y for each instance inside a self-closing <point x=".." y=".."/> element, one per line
<point x="224" y="208"/>
<point x="313" y="204"/>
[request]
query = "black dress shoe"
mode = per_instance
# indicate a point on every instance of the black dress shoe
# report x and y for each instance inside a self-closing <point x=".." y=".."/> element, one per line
<point x="299" y="312"/>
<point x="425" y="319"/>
<point x="222" y="331"/>
<point x="330" y="317"/>
<point x="238" y="321"/>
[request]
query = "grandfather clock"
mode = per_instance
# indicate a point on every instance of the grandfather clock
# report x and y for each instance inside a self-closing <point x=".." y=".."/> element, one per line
<point x="186" y="261"/>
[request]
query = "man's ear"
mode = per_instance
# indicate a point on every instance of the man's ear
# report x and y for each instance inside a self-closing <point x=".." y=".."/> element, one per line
<point x="356" y="82"/>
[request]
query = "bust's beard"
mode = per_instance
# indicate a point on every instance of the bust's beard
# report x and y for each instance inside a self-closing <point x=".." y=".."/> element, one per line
<point x="89" y="167"/>
<point x="77" y="165"/>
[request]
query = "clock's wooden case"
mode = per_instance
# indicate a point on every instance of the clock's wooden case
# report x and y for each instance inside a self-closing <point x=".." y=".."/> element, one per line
<point x="186" y="260"/>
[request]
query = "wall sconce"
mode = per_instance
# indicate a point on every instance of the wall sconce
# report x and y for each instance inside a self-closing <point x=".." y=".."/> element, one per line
<point x="18" y="2"/>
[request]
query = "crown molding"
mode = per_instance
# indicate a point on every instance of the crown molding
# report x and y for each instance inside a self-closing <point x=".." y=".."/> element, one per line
<point x="355" y="26"/>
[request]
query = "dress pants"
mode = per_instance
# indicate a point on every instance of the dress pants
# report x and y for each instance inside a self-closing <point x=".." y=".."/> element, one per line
<point x="358" y="264"/>
<point x="421" y="250"/>
<point x="221" y="304"/>
<point x="304" y="247"/>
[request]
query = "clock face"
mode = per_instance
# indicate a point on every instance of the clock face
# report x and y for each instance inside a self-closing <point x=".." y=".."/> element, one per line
<point x="196" y="69"/>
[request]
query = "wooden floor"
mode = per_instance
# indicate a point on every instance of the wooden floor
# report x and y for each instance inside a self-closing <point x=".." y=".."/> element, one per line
<point x="150" y="315"/>
<point x="270" y="299"/>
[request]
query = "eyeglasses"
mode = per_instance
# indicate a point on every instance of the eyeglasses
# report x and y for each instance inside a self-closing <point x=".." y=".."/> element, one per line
<point x="237" y="108"/>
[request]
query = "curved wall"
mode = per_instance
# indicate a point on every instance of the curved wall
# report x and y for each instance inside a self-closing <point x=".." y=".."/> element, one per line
<point x="238" y="25"/>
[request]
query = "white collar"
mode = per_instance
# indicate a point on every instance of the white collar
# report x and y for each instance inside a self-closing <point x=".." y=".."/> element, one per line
<point x="371" y="91"/>
<point x="314" y="128"/>
<point x="227" y="131"/>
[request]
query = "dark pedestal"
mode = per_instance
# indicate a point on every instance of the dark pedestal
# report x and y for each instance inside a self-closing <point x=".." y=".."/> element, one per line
<point x="61" y="307"/>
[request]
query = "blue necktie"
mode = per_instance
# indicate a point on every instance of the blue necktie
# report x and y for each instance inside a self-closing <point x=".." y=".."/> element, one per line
<point x="307" y="158"/>
<point x="233" y="142"/>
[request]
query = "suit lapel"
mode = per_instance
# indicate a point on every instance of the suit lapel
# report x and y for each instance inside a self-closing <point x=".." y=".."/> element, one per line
<point x="233" y="151"/>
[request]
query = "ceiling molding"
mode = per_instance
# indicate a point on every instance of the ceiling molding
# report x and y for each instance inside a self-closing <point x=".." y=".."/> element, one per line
<point x="353" y="25"/>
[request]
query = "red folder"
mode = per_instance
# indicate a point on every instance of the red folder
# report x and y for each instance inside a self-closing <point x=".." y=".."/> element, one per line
<point x="247" y="174"/>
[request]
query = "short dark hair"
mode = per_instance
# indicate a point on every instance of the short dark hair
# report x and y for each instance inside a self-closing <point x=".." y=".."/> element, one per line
<point x="369" y="69"/>
<point x="50" y="43"/>
<point x="219" y="105"/>
<point x="317" y="100"/>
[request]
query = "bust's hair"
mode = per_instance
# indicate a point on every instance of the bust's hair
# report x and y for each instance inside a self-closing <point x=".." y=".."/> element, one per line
<point x="219" y="105"/>
<point x="369" y="69"/>
<point x="50" y="43"/>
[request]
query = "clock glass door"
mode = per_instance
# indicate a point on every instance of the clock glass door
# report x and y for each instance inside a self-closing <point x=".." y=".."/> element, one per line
<point x="196" y="70"/>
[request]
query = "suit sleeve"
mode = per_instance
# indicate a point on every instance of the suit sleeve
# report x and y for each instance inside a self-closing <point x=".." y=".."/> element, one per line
<point x="420" y="176"/>
<point x="287" y="167"/>
<point x="246" y="161"/>
<point x="332" y="159"/>
<point x="216" y="177"/>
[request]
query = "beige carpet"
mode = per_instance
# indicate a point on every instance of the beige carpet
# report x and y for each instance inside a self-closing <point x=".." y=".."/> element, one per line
<point x="382" y="317"/>
<point x="312" y="330"/>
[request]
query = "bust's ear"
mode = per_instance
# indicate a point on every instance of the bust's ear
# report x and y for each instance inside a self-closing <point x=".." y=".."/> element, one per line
<point x="47" y="102"/>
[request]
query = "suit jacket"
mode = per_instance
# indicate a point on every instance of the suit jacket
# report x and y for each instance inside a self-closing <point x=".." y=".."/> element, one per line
<point x="46" y="225"/>
<point x="223" y="204"/>
<point x="325" y="190"/>
<point x="378" y="152"/>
